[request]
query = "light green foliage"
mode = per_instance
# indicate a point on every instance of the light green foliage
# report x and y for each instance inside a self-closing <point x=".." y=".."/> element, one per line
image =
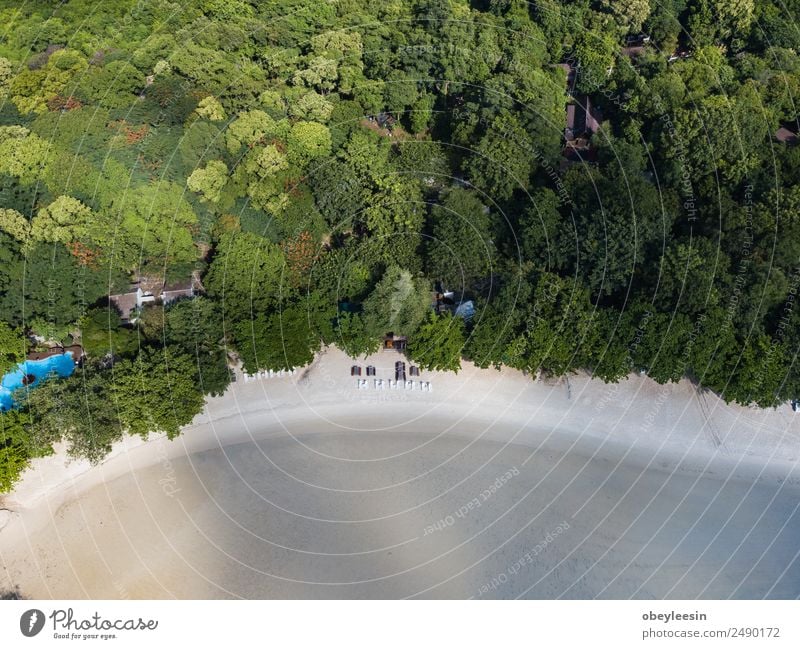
<point x="153" y="222"/>
<point x="273" y="102"/>
<point x="210" y="108"/>
<point x="66" y="219"/>
<point x="6" y="72"/>
<point x="345" y="45"/>
<point x="23" y="154"/>
<point x="14" y="224"/>
<point x="209" y="181"/>
<point x="321" y="74"/>
<point x="366" y="153"/>
<point x="308" y="141"/>
<point x="162" y="67"/>
<point x="735" y="16"/>
<point x="312" y="106"/>
<point x="595" y="53"/>
<point x="263" y="172"/>
<point x="227" y="10"/>
<point x="267" y="161"/>
<point x="32" y="89"/>
<point x="630" y="14"/>
<point x="250" y="128"/>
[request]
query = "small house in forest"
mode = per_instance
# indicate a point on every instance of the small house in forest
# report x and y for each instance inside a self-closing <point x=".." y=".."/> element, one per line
<point x="635" y="45"/>
<point x="583" y="119"/>
<point x="787" y="134"/>
<point x="150" y="290"/>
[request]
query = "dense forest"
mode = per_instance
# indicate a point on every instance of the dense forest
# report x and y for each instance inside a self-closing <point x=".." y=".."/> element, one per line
<point x="612" y="183"/>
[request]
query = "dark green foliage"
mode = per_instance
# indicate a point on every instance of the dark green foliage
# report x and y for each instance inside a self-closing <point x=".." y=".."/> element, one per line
<point x="12" y="347"/>
<point x="298" y="156"/>
<point x="156" y="392"/>
<point x="280" y="341"/>
<point x="102" y="333"/>
<point x="47" y="285"/>
<point x="79" y="409"/>
<point x="460" y="250"/>
<point x="196" y="328"/>
<point x="438" y="343"/>
<point x="398" y="303"/>
<point x="17" y="447"/>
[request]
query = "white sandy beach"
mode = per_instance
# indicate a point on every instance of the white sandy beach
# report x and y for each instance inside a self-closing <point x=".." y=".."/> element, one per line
<point x="492" y="485"/>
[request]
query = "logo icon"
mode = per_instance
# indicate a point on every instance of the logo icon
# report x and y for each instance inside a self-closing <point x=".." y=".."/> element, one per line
<point x="31" y="622"/>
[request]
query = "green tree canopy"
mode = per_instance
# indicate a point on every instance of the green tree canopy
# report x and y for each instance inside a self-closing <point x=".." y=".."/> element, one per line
<point x="398" y="303"/>
<point x="438" y="343"/>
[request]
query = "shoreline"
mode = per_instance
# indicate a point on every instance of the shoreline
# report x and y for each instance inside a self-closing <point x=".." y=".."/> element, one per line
<point x="706" y="425"/>
<point x="635" y="427"/>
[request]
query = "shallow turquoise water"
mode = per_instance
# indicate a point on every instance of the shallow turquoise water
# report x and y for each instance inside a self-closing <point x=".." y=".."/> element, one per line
<point x="62" y="365"/>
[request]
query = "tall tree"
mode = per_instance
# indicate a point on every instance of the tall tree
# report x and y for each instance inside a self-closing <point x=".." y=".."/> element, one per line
<point x="156" y="392"/>
<point x="438" y="343"/>
<point x="460" y="250"/>
<point x="398" y="303"/>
